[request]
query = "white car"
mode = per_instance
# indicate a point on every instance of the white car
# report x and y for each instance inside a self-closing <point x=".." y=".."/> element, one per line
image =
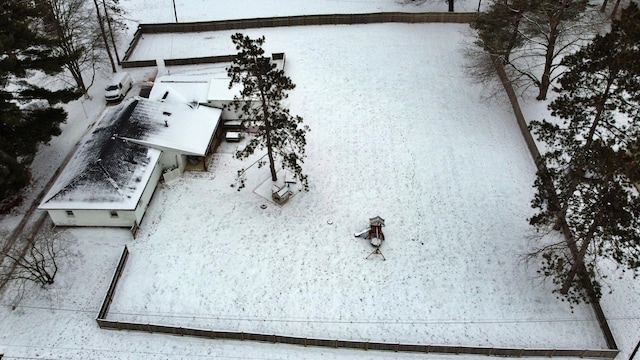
<point x="118" y="87"/>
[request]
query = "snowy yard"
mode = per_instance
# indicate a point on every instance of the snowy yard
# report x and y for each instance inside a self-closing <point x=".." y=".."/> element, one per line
<point x="397" y="130"/>
<point x="417" y="145"/>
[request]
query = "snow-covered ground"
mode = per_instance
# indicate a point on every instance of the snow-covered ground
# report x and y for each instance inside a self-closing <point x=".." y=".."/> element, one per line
<point x="152" y="11"/>
<point x="397" y="130"/>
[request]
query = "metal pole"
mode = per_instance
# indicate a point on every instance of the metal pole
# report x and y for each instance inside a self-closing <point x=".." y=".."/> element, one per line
<point x="633" y="354"/>
<point x="175" y="13"/>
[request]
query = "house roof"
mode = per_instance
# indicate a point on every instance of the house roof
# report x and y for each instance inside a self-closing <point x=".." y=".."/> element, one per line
<point x="115" y="161"/>
<point x="192" y="88"/>
<point x="219" y="90"/>
<point x="173" y="125"/>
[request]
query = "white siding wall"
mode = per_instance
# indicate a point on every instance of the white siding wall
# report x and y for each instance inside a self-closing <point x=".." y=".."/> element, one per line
<point x="117" y="218"/>
<point x="171" y="159"/>
<point x="141" y="208"/>
<point x="124" y="218"/>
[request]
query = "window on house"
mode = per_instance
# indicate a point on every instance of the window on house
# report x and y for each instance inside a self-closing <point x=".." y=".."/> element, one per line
<point x="114" y="214"/>
<point x="70" y="213"/>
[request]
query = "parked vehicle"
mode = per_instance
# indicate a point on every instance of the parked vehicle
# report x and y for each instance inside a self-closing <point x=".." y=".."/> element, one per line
<point x="118" y="87"/>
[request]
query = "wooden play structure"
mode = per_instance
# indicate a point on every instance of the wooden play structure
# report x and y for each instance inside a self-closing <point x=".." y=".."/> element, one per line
<point x="374" y="234"/>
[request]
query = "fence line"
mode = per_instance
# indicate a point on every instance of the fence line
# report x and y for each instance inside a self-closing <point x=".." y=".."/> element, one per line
<point x="302" y="20"/>
<point x="103" y="323"/>
<point x="535" y="153"/>
<point x="362" y="345"/>
<point x="104" y="309"/>
<point x="305" y="20"/>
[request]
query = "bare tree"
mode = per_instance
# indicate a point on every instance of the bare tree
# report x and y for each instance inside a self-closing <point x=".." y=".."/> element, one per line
<point x="104" y="35"/>
<point x="37" y="262"/>
<point x="78" y="35"/>
<point x="531" y="37"/>
<point x="556" y="28"/>
<point x="114" y="23"/>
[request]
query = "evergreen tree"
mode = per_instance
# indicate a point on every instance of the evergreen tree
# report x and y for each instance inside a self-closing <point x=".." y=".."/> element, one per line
<point x="28" y="115"/>
<point x="263" y="89"/>
<point x="592" y="168"/>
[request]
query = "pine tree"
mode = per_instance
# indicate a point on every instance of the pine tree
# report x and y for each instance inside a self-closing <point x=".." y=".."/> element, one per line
<point x="589" y="186"/>
<point x="28" y="115"/>
<point x="263" y="89"/>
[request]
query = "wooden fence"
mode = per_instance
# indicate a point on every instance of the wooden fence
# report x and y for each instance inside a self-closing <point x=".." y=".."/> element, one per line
<point x="535" y="153"/>
<point x="104" y="309"/>
<point x="303" y="20"/>
<point x="362" y="345"/>
<point x="104" y="323"/>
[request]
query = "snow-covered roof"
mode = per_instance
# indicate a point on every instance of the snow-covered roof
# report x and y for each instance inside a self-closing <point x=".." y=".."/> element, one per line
<point x="173" y="125"/>
<point x="219" y="90"/>
<point x="106" y="172"/>
<point x="115" y="161"/>
<point x="191" y="88"/>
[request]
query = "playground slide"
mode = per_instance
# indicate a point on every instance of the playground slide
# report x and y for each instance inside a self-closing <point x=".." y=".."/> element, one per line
<point x="361" y="232"/>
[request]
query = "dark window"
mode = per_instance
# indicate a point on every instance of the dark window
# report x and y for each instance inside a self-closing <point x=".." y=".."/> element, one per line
<point x="114" y="214"/>
<point x="70" y="213"/>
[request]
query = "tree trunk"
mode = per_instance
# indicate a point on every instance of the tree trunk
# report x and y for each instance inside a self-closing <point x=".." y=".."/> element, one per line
<point x="514" y="37"/>
<point x="267" y="125"/>
<point x="546" y="75"/>
<point x="604" y="6"/>
<point x="175" y="13"/>
<point x="549" y="55"/>
<point x="75" y="71"/>
<point x="578" y="256"/>
<point x="560" y="218"/>
<point x="578" y="260"/>
<point x="614" y="12"/>
<point x="104" y="36"/>
<point x="450" y="5"/>
<point x="113" y="39"/>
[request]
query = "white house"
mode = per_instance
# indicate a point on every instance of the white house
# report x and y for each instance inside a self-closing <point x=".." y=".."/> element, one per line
<point x="110" y="179"/>
<point x="112" y="176"/>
